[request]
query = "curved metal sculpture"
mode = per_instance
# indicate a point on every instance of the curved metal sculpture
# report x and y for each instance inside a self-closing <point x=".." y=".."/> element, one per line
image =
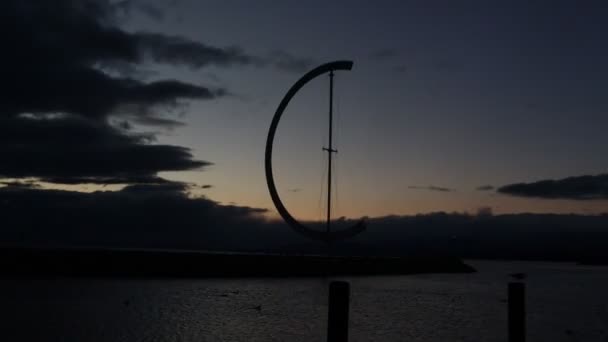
<point x="293" y="223"/>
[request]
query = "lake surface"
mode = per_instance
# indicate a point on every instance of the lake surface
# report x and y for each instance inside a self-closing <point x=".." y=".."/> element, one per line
<point x="565" y="302"/>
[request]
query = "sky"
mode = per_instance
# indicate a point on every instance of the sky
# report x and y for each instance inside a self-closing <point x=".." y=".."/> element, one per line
<point x="470" y="106"/>
<point x="442" y="95"/>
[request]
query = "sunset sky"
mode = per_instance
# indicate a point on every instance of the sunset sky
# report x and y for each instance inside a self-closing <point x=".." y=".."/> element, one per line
<point x="448" y="104"/>
<point x="442" y="95"/>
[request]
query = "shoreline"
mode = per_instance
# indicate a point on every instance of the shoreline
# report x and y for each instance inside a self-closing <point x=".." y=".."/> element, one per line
<point x="138" y="263"/>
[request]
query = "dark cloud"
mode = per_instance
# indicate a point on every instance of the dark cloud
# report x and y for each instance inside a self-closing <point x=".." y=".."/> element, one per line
<point x="158" y="121"/>
<point x="139" y="216"/>
<point x="90" y="29"/>
<point x="183" y="51"/>
<point x="179" y="50"/>
<point x="288" y="62"/>
<point x="74" y="150"/>
<point x="70" y="93"/>
<point x="71" y="56"/>
<point x="573" y="188"/>
<point x="151" y="10"/>
<point x="485" y="188"/>
<point x="60" y="49"/>
<point x="431" y="188"/>
<point x="91" y="93"/>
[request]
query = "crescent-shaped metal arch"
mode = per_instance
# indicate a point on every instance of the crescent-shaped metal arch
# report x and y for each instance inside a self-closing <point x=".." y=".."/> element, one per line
<point x="293" y="223"/>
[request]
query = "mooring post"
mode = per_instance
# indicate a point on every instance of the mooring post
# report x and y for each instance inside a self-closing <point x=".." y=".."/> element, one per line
<point x="517" y="312"/>
<point x="337" y="317"/>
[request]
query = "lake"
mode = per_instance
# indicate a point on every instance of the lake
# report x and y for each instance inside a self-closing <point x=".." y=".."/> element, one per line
<point x="565" y="302"/>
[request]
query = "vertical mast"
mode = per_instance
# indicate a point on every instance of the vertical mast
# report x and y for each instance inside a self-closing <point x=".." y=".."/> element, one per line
<point x="290" y="220"/>
<point x="330" y="149"/>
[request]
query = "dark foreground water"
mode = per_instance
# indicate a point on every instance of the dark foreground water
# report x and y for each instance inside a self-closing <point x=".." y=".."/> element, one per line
<point x="565" y="303"/>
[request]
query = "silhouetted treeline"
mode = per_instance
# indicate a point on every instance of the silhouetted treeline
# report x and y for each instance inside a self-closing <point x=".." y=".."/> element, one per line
<point x="515" y="236"/>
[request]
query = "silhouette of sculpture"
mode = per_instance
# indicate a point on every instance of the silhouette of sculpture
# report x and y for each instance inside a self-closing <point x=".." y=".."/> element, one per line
<point x="328" y="235"/>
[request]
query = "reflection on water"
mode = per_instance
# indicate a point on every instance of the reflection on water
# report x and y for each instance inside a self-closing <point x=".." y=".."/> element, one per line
<point x="565" y="303"/>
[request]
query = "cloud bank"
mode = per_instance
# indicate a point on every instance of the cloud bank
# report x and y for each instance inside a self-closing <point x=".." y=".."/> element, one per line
<point x="573" y="188"/>
<point x="430" y="188"/>
<point x="69" y="94"/>
<point x="165" y="217"/>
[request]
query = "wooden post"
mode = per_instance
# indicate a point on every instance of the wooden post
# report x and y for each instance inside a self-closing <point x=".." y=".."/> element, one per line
<point x="517" y="312"/>
<point x="337" y="317"/>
